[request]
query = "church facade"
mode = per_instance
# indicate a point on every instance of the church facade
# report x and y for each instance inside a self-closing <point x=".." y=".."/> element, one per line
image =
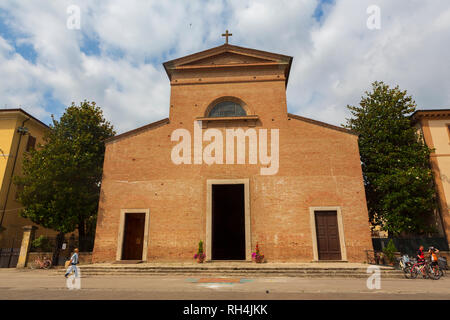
<point x="231" y="167"/>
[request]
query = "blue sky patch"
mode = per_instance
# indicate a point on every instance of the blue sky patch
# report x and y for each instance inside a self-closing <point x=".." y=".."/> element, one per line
<point x="52" y="105"/>
<point x="90" y="45"/>
<point x="16" y="39"/>
<point x="319" y="12"/>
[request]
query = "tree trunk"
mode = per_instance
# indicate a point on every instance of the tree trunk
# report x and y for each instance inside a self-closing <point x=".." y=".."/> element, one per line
<point x="57" y="248"/>
<point x="81" y="236"/>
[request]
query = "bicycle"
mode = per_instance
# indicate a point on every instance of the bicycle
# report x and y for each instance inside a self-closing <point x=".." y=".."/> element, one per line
<point x="45" y="263"/>
<point x="426" y="269"/>
<point x="442" y="262"/>
<point x="434" y="271"/>
<point x="406" y="264"/>
<point x="416" y="269"/>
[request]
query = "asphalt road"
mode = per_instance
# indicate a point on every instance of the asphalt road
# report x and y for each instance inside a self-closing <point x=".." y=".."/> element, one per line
<point x="43" y="285"/>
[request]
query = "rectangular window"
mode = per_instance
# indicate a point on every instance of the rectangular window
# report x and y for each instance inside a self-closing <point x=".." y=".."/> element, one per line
<point x="31" y="143"/>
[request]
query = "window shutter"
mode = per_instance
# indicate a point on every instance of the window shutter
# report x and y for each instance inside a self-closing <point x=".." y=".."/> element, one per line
<point x="31" y="143"/>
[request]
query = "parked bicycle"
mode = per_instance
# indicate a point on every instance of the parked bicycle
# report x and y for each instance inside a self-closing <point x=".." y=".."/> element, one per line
<point x="442" y="262"/>
<point x="406" y="263"/>
<point x="39" y="263"/>
<point x="426" y="269"/>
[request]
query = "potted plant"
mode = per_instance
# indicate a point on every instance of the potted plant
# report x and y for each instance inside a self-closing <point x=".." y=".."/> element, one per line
<point x="257" y="256"/>
<point x="389" y="252"/>
<point x="200" y="256"/>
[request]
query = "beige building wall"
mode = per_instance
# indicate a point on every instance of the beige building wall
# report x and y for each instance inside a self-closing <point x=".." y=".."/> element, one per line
<point x="441" y="141"/>
<point x="434" y="125"/>
<point x="10" y="121"/>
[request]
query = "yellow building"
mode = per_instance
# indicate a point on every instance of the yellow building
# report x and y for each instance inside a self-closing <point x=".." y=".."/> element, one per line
<point x="19" y="132"/>
<point x="435" y="127"/>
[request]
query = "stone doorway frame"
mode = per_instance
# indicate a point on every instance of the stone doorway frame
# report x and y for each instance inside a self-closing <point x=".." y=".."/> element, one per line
<point x="122" y="231"/>
<point x="312" y="219"/>
<point x="248" y="243"/>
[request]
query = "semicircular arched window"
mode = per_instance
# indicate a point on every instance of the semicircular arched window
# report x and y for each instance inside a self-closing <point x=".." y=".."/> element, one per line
<point x="227" y="109"/>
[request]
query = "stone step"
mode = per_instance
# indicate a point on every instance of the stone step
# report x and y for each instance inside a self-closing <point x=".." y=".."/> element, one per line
<point x="229" y="271"/>
<point x="322" y="275"/>
<point x="222" y="271"/>
<point x="225" y="268"/>
<point x="235" y="271"/>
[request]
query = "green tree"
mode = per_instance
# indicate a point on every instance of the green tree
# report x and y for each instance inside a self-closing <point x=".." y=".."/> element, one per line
<point x="390" y="250"/>
<point x="61" y="178"/>
<point x="395" y="162"/>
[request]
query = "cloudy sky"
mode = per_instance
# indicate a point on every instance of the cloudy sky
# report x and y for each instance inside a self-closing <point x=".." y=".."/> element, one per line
<point x="116" y="56"/>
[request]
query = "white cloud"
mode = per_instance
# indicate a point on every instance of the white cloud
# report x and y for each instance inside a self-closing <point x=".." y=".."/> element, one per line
<point x="335" y="60"/>
<point x="408" y="50"/>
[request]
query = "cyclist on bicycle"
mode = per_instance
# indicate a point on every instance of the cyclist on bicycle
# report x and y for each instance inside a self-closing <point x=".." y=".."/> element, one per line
<point x="420" y="255"/>
<point x="433" y="256"/>
<point x="421" y="259"/>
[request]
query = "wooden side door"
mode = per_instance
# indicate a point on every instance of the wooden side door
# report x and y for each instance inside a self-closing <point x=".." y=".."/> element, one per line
<point x="327" y="231"/>
<point x="133" y="241"/>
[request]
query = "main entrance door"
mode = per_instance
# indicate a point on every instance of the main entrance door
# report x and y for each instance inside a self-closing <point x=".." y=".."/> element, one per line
<point x="133" y="239"/>
<point x="228" y="222"/>
<point x="327" y="231"/>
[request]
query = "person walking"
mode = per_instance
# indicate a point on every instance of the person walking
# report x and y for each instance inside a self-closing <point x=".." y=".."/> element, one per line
<point x="73" y="264"/>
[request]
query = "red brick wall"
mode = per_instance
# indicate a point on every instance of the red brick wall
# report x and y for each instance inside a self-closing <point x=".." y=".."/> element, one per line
<point x="83" y="257"/>
<point x="319" y="166"/>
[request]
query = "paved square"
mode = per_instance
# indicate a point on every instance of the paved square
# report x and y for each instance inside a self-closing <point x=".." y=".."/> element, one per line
<point x="48" y="284"/>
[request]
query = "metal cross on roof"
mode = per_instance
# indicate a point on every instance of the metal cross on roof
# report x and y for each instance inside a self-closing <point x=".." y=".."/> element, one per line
<point x="226" y="35"/>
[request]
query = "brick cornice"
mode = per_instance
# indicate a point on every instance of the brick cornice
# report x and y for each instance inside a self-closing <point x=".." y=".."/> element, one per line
<point x="431" y="114"/>
<point x="322" y="124"/>
<point x="138" y="130"/>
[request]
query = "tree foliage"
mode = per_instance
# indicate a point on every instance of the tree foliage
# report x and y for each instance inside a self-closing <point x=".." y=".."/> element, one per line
<point x="61" y="178"/>
<point x="395" y="161"/>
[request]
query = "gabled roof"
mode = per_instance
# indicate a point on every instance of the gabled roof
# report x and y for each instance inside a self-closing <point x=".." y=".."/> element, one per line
<point x="431" y="113"/>
<point x="138" y="130"/>
<point x="166" y="121"/>
<point x="26" y="114"/>
<point x="322" y="124"/>
<point x="254" y="58"/>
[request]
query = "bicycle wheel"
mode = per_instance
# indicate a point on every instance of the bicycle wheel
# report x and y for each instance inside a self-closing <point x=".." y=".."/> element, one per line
<point x="435" y="273"/>
<point x="407" y="271"/>
<point x="427" y="273"/>
<point x="34" y="265"/>
<point x="47" y="264"/>
<point x="414" y="272"/>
